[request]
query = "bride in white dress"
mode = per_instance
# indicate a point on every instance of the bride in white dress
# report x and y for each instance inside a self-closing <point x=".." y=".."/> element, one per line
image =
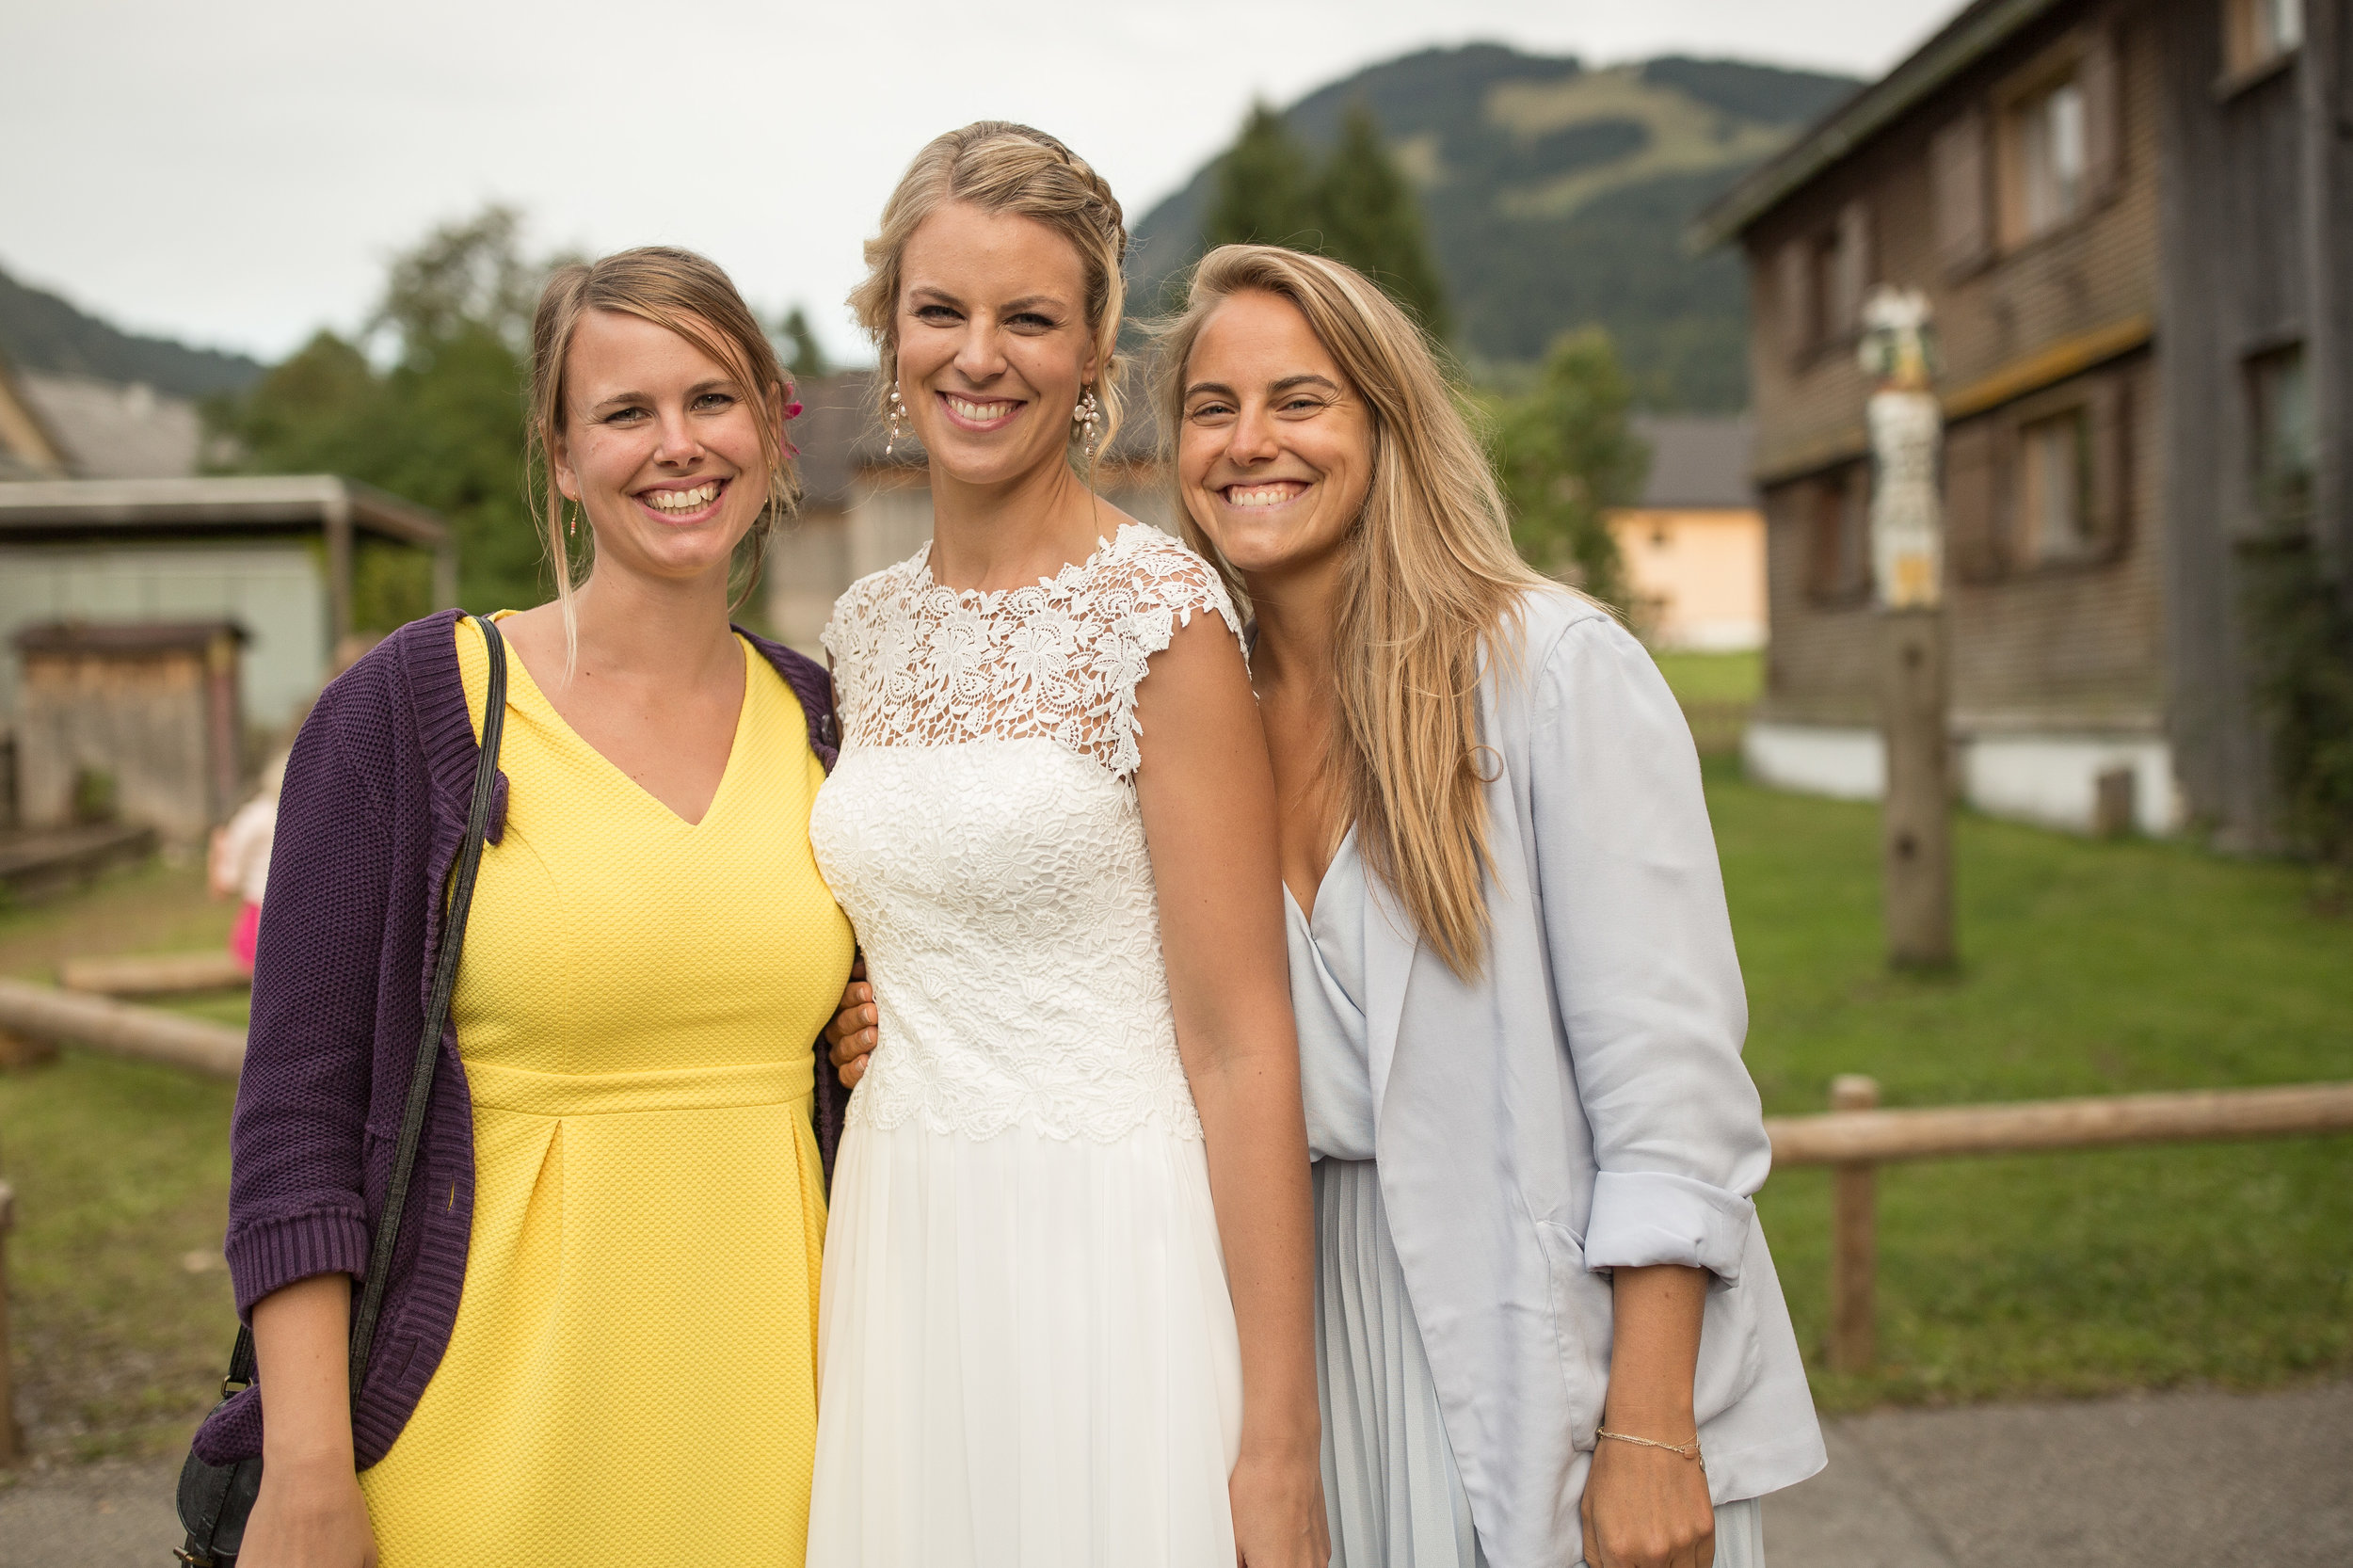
<point x="1066" y="1312"/>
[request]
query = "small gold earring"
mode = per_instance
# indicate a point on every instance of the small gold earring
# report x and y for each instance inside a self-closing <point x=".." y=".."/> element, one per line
<point x="572" y="526"/>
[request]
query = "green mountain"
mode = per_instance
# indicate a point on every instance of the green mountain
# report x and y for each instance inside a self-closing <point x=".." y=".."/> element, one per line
<point x="40" y="332"/>
<point x="1558" y="197"/>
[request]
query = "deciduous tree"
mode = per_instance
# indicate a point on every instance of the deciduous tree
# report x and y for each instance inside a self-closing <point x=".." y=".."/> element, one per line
<point x="1567" y="456"/>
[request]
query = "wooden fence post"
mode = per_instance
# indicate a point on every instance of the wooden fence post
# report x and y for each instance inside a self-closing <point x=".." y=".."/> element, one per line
<point x="1853" y="1240"/>
<point x="11" y="1435"/>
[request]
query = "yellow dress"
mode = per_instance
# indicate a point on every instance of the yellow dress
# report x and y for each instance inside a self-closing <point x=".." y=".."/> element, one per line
<point x="632" y="1373"/>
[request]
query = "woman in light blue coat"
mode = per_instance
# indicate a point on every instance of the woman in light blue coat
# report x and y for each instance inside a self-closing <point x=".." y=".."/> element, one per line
<point x="1548" y="1320"/>
<point x="1548" y="1327"/>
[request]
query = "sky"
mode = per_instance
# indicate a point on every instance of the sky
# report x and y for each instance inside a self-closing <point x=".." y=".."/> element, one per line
<point x="237" y="173"/>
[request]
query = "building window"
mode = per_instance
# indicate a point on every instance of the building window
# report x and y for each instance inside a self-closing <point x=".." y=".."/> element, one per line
<point x="2054" y="487"/>
<point x="1825" y="276"/>
<point x="2280" y="408"/>
<point x="1837" y="518"/>
<point x="2255" y="32"/>
<point x="2048" y="158"/>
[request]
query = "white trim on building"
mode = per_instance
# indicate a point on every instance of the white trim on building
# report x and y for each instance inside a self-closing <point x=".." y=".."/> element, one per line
<point x="2047" y="779"/>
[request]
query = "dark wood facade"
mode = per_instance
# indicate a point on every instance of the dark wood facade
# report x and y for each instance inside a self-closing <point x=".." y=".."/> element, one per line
<point x="2115" y="227"/>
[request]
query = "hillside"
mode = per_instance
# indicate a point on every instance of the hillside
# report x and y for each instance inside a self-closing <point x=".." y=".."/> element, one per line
<point x="40" y="332"/>
<point x="1558" y="196"/>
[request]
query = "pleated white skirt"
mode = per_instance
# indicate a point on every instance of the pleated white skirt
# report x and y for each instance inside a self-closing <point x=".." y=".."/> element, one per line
<point x="1026" y="1355"/>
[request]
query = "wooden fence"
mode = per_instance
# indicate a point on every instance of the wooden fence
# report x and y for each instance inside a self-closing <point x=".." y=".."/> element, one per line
<point x="1856" y="1138"/>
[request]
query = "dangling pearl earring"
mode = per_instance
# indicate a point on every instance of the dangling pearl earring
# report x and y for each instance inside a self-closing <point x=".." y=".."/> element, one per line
<point x="572" y="526"/>
<point x="1084" y="418"/>
<point x="896" y="418"/>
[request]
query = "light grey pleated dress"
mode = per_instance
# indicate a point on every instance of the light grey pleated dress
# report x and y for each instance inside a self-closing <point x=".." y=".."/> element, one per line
<point x="1390" y="1484"/>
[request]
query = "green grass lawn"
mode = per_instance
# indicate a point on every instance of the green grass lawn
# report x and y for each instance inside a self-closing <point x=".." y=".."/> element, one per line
<point x="1712" y="677"/>
<point x="2086" y="969"/>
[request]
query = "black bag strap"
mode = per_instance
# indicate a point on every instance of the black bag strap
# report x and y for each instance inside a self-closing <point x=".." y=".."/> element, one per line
<point x="437" y="1011"/>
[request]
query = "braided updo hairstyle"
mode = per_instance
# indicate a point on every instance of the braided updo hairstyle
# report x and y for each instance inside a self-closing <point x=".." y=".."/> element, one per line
<point x="1004" y="168"/>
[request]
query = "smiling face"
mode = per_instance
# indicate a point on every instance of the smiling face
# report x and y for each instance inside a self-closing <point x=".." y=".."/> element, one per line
<point x="993" y="341"/>
<point x="1274" y="453"/>
<point x="661" y="446"/>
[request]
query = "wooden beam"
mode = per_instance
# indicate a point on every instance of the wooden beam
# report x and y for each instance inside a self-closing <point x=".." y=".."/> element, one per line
<point x="2046" y="367"/>
<point x="119" y="1029"/>
<point x="1881" y="1136"/>
<point x="158" y="975"/>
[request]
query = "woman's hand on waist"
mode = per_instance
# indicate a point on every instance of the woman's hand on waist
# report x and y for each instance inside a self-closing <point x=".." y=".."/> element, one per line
<point x="850" y="1038"/>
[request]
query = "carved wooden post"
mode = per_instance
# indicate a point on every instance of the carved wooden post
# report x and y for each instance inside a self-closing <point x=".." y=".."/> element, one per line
<point x="1907" y="427"/>
<point x="1916" y="822"/>
<point x="1854" y="1245"/>
<point x="11" y="1435"/>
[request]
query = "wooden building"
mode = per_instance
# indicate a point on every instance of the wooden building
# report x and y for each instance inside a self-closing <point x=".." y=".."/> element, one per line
<point x="863" y="509"/>
<point x="2129" y="217"/>
<point x="140" y="720"/>
<point x="275" y="555"/>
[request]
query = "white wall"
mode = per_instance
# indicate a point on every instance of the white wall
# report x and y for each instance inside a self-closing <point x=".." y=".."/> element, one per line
<point x="2026" y="775"/>
<point x="276" y="592"/>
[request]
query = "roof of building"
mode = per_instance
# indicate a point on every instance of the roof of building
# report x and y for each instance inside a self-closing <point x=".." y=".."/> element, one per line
<point x="112" y="431"/>
<point x="1973" y="32"/>
<point x="29" y="449"/>
<point x="130" y="637"/>
<point x="170" y="508"/>
<point x="1697" y="460"/>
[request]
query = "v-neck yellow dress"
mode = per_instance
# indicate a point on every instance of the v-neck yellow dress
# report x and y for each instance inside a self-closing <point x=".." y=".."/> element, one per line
<point x="632" y="1375"/>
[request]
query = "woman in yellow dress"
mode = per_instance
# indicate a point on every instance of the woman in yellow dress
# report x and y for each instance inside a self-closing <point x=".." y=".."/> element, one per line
<point x="600" y="1343"/>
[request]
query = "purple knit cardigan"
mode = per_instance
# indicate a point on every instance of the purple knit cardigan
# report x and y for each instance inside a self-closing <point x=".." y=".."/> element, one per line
<point x="368" y="826"/>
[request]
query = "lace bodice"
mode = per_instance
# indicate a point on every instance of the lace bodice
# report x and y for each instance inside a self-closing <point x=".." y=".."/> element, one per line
<point x="983" y="833"/>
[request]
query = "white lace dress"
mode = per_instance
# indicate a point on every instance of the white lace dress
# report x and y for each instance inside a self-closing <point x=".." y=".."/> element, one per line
<point x="1026" y="1347"/>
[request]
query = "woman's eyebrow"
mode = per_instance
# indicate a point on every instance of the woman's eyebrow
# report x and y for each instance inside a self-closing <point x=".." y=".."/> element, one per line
<point x="1289" y="382"/>
<point x="1220" y="388"/>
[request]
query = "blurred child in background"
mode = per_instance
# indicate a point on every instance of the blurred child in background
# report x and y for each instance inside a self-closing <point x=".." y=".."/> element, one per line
<point x="239" y="862"/>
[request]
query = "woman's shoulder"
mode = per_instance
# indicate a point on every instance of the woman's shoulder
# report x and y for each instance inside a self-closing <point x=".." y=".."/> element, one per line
<point x="871" y="596"/>
<point x="1145" y="572"/>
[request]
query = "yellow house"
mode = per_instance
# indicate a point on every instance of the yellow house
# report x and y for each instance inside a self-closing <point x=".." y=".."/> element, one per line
<point x="1693" y="548"/>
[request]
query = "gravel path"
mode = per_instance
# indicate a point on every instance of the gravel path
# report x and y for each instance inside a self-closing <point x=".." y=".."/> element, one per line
<point x="2159" y="1479"/>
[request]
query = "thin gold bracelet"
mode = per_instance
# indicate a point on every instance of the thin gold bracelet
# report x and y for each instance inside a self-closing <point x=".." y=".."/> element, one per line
<point x="1690" y="1450"/>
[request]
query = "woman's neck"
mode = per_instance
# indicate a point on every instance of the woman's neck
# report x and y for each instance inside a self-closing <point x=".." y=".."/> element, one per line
<point x="1010" y="533"/>
<point x="1297" y="613"/>
<point x="654" y="628"/>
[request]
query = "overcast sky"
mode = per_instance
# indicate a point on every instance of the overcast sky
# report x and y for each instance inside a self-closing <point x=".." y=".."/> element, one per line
<point x="236" y="173"/>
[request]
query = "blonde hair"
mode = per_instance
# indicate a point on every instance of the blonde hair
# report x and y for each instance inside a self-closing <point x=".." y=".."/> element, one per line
<point x="1430" y="574"/>
<point x="691" y="295"/>
<point x="1002" y="167"/>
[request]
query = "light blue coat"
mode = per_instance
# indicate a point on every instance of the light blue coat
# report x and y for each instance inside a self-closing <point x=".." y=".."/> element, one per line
<point x="1580" y="1104"/>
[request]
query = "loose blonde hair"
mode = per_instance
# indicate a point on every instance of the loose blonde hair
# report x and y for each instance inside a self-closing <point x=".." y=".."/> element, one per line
<point x="1004" y="168"/>
<point x="1429" y="575"/>
<point x="691" y="295"/>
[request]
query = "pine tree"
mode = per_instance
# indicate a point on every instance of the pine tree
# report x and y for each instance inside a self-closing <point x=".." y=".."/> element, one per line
<point x="1372" y="220"/>
<point x="1265" y="188"/>
<point x="803" y="356"/>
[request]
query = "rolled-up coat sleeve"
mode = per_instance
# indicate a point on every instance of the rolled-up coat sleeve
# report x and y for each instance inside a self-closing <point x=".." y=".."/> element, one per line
<point x="1641" y="941"/>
